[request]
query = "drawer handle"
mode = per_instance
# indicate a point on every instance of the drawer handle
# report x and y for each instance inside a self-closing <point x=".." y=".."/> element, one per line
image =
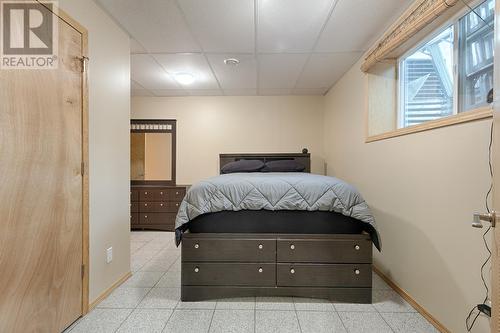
<point x="176" y="193"/>
<point x="260" y="270"/>
<point x="145" y="205"/>
<point x="196" y="269"/>
<point x="292" y="247"/>
<point x="261" y="246"/>
<point x="292" y="271"/>
<point x="196" y="246"/>
<point x="357" y="247"/>
<point x="161" y="193"/>
<point x="357" y="271"/>
<point x="145" y="216"/>
<point x="161" y="205"/>
<point x="146" y="193"/>
<point x="176" y="205"/>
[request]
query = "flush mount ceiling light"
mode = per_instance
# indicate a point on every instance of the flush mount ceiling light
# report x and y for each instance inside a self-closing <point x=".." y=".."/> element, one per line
<point x="184" y="78"/>
<point x="231" y="61"/>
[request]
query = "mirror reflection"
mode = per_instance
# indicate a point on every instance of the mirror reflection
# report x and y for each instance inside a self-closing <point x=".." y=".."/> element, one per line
<point x="151" y="156"/>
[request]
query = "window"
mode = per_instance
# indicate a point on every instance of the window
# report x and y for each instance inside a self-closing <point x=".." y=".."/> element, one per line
<point x="430" y="88"/>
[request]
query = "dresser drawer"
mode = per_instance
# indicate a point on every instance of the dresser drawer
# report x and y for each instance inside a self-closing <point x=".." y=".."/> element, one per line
<point x="157" y="218"/>
<point x="324" y="275"/>
<point x="214" y="249"/>
<point x="166" y="207"/>
<point x="134" y="195"/>
<point x="160" y="194"/>
<point x="176" y="194"/>
<point x="324" y="250"/>
<point x="134" y="218"/>
<point x="147" y="207"/>
<point x="228" y="274"/>
<point x="146" y="194"/>
<point x="134" y="207"/>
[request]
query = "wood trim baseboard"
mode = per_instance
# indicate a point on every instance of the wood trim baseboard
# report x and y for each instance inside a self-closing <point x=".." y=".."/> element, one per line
<point x="108" y="291"/>
<point x="407" y="297"/>
<point x="464" y="117"/>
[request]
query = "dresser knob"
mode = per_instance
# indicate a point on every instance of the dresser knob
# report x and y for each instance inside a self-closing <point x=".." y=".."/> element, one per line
<point x="146" y="193"/>
<point x="357" y="247"/>
<point x="176" y="205"/>
<point x="161" y="205"/>
<point x="261" y="246"/>
<point x="196" y="246"/>
<point x="145" y="216"/>
<point x="356" y="271"/>
<point x="260" y="270"/>
<point x="176" y="193"/>
<point x="196" y="269"/>
<point x="292" y="271"/>
<point x="145" y="205"/>
<point x="292" y="247"/>
<point x="161" y="193"/>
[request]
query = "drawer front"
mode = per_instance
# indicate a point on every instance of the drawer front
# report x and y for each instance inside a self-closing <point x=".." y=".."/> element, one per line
<point x="134" y="195"/>
<point x="168" y="207"/>
<point x="134" y="218"/>
<point x="228" y="274"/>
<point x="213" y="249"/>
<point x="324" y="250"/>
<point x="324" y="275"/>
<point x="147" y="207"/>
<point x="157" y="218"/>
<point x="146" y="195"/>
<point x="176" y="194"/>
<point x="160" y="194"/>
<point x="134" y="207"/>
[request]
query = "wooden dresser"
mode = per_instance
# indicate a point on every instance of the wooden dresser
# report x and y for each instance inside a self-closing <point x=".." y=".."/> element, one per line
<point x="155" y="207"/>
<point x="336" y="267"/>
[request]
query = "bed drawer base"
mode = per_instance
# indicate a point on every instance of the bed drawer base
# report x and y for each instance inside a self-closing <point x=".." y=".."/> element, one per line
<point x="341" y="295"/>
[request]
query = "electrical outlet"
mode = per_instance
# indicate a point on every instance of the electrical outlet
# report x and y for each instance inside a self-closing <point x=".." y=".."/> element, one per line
<point x="109" y="255"/>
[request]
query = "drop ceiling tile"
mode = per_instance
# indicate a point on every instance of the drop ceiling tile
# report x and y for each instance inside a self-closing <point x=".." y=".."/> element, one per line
<point x="240" y="92"/>
<point x="158" y="24"/>
<point x="136" y="47"/>
<point x="193" y="63"/>
<point x="280" y="70"/>
<point x="241" y="76"/>
<point x="149" y="74"/>
<point x="310" y="92"/>
<point x="141" y="93"/>
<point x="205" y="92"/>
<point x="290" y="25"/>
<point x="221" y="25"/>
<point x="324" y="69"/>
<point x="274" y="92"/>
<point x="170" y="92"/>
<point x="370" y="17"/>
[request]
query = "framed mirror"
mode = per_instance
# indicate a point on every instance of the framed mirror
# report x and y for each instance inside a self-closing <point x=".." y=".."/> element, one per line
<point x="152" y="152"/>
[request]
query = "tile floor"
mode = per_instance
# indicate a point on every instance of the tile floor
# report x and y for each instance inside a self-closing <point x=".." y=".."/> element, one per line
<point x="149" y="302"/>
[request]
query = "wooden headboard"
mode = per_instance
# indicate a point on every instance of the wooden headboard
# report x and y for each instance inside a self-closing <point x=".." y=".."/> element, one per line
<point x="304" y="159"/>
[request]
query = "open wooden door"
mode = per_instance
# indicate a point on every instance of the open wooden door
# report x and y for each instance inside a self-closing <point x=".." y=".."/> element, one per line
<point x="495" y="271"/>
<point x="43" y="190"/>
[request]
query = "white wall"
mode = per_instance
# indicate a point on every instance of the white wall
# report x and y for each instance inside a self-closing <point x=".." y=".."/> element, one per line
<point x="109" y="135"/>
<point x="423" y="189"/>
<point x="207" y="126"/>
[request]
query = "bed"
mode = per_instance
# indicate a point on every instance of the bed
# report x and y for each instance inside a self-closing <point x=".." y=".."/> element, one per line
<point x="275" y="234"/>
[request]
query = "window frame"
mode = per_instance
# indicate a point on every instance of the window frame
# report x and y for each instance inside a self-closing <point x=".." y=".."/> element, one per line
<point x="454" y="22"/>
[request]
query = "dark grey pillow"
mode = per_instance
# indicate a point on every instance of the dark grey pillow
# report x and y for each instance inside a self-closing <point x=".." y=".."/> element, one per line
<point x="283" y="166"/>
<point x="243" y="166"/>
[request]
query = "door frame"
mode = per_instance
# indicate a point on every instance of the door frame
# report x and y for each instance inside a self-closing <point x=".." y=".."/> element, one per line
<point x="85" y="153"/>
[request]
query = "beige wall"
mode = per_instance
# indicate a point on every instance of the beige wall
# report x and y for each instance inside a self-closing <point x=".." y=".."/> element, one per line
<point x="423" y="189"/>
<point x="207" y="126"/>
<point x="109" y="116"/>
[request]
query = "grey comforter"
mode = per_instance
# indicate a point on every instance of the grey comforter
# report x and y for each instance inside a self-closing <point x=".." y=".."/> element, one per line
<point x="273" y="191"/>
